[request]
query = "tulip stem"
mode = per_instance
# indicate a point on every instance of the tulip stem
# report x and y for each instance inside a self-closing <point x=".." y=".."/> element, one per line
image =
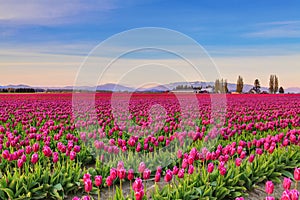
<point x="296" y="185"/>
<point x="98" y="193"/>
<point x="169" y="188"/>
<point x="121" y="186"/>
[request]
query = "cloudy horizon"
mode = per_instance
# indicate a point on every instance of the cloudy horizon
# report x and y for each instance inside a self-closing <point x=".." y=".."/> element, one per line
<point x="45" y="43"/>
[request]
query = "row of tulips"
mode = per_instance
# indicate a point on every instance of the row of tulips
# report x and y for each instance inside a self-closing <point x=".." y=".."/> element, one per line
<point x="40" y="131"/>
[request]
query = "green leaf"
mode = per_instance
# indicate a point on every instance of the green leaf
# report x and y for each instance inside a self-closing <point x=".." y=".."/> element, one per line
<point x="8" y="192"/>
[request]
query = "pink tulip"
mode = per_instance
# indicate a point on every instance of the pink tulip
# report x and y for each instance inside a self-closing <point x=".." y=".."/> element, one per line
<point x="297" y="174"/>
<point x="98" y="180"/>
<point x="121" y="173"/>
<point x="269" y="187"/>
<point x="157" y="177"/>
<point x="88" y="185"/>
<point x="34" y="158"/>
<point x="130" y="175"/>
<point x="287" y="183"/>
<point x="142" y="167"/>
<point x="146" y="174"/>
<point x="168" y="176"/>
<point x="210" y="167"/>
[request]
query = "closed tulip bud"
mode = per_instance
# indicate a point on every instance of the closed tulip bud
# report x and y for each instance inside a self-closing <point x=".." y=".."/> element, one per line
<point x="168" y="176"/>
<point x="36" y="147"/>
<point x="270" y="198"/>
<point x="287" y="183"/>
<point x="181" y="173"/>
<point x="55" y="157"/>
<point x="297" y="174"/>
<point x="121" y="173"/>
<point x="34" y="158"/>
<point x="210" y="167"/>
<point x="86" y="177"/>
<point x="130" y="175"/>
<point x="294" y="194"/>
<point x="191" y="169"/>
<point x="72" y="155"/>
<point x="146" y="174"/>
<point x="109" y="181"/>
<point x="139" y="195"/>
<point x="179" y="154"/>
<point x="238" y="162"/>
<point x="184" y="163"/>
<point x="98" y="180"/>
<point x="20" y="163"/>
<point x="223" y="171"/>
<point x="285" y="195"/>
<point x="175" y="170"/>
<point x="88" y="185"/>
<point x="138" y="185"/>
<point x="159" y="169"/>
<point x="251" y="158"/>
<point x="77" y="148"/>
<point x="269" y="187"/>
<point x="157" y="177"/>
<point x="190" y="160"/>
<point x="142" y="167"/>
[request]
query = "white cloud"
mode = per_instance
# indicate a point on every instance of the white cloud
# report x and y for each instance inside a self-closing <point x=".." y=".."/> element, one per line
<point x="276" y="29"/>
<point x="48" y="11"/>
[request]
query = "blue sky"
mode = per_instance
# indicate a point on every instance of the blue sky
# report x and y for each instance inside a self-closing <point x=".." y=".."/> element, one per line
<point x="44" y="42"/>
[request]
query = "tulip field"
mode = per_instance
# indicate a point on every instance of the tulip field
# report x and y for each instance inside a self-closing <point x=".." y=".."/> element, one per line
<point x="160" y="147"/>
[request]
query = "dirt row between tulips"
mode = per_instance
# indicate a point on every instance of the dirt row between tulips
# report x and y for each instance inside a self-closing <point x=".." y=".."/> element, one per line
<point x="256" y="194"/>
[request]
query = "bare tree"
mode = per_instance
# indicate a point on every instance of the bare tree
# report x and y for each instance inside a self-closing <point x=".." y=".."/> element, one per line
<point x="239" y="85"/>
<point x="276" y="84"/>
<point x="217" y="86"/>
<point x="271" y="84"/>
<point x="226" y="86"/>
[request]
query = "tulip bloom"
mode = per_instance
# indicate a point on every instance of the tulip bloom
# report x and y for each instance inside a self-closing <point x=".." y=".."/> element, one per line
<point x="146" y="174"/>
<point x="142" y="167"/>
<point x="238" y="162"/>
<point x="191" y="169"/>
<point x="34" y="158"/>
<point x="157" y="177"/>
<point x="181" y="173"/>
<point x="168" y="176"/>
<point x="269" y="187"/>
<point x="86" y="177"/>
<point x="210" y="167"/>
<point x="270" y="198"/>
<point x="130" y="175"/>
<point x="121" y="173"/>
<point x="20" y="163"/>
<point x="109" y="181"/>
<point x="287" y="183"/>
<point x="88" y="185"/>
<point x="297" y="174"/>
<point x="98" y="180"/>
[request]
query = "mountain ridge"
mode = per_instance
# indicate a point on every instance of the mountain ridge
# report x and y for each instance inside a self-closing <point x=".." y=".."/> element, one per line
<point x="158" y="88"/>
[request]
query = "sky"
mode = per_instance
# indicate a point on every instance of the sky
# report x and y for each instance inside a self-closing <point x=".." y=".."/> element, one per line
<point x="48" y="43"/>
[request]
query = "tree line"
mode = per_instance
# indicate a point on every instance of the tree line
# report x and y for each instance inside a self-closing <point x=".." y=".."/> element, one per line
<point x="20" y="90"/>
<point x="273" y="85"/>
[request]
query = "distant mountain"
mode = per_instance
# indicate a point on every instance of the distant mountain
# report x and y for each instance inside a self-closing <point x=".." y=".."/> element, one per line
<point x="114" y="87"/>
<point x="292" y="90"/>
<point x="159" y="88"/>
<point x="17" y="86"/>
